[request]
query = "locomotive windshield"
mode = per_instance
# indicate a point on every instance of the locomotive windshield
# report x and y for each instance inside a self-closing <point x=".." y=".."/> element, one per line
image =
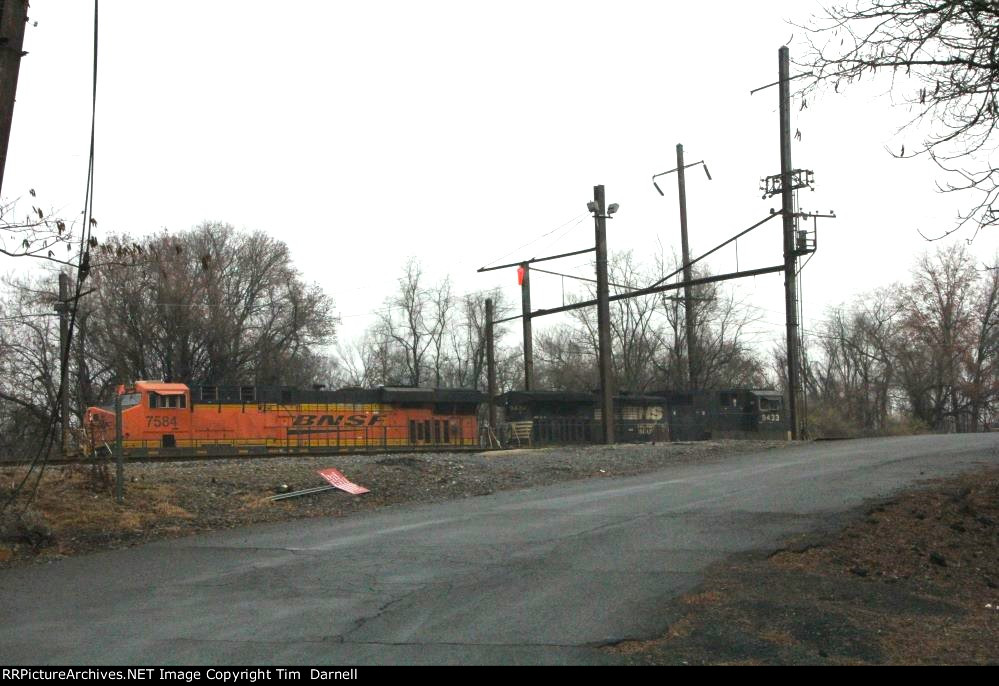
<point x="771" y="403"/>
<point x="130" y="400"/>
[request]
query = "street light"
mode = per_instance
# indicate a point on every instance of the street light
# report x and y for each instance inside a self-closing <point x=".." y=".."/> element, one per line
<point x="593" y="207"/>
<point x="597" y="207"/>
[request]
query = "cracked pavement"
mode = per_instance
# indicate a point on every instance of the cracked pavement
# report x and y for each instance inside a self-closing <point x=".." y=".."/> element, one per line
<point x="542" y="575"/>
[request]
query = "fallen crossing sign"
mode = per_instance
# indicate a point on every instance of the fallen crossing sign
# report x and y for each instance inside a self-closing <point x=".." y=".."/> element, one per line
<point x="336" y="478"/>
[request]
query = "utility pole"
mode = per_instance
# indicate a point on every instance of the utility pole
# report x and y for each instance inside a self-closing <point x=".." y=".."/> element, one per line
<point x="603" y="316"/>
<point x="688" y="301"/>
<point x="119" y="452"/>
<point x="490" y="365"/>
<point x="525" y="298"/>
<point x="790" y="259"/>
<point x="62" y="307"/>
<point x="13" y="17"/>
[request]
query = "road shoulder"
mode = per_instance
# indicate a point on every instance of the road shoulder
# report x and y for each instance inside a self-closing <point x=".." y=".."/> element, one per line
<point x="912" y="580"/>
<point x="74" y="511"/>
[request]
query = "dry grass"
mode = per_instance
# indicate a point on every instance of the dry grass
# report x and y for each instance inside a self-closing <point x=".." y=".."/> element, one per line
<point x="910" y="582"/>
<point x="78" y="510"/>
<point x="704" y="598"/>
<point x="172" y="499"/>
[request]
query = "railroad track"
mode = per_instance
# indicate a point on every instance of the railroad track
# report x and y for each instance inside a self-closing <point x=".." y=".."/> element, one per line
<point x="186" y="456"/>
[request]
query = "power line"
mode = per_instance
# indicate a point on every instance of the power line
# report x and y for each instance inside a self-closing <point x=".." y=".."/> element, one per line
<point x="389" y="308"/>
<point x="41" y="456"/>
<point x="580" y="278"/>
<point x="562" y="235"/>
<point x="577" y="219"/>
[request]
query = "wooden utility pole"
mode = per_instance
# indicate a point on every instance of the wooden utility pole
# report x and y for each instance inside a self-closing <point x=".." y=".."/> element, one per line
<point x="790" y="259"/>
<point x="525" y="299"/>
<point x="603" y="316"/>
<point x="13" y="17"/>
<point x="688" y="301"/>
<point x="119" y="452"/>
<point x="63" y="309"/>
<point x="490" y="365"/>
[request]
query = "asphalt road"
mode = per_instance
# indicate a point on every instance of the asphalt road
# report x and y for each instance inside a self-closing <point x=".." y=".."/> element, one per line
<point x="544" y="575"/>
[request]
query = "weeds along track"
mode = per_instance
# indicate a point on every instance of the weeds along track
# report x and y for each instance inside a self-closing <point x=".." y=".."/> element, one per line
<point x="188" y="456"/>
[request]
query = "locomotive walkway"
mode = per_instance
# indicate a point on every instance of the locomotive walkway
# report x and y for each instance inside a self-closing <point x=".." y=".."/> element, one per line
<point x="543" y="575"/>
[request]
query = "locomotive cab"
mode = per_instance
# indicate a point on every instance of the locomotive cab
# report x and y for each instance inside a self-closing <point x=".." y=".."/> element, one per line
<point x="153" y="413"/>
<point x="99" y="422"/>
<point x="167" y="404"/>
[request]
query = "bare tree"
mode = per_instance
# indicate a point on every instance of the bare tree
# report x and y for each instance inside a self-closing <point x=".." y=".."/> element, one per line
<point x="850" y="380"/>
<point x="723" y="356"/>
<point x="415" y="321"/>
<point x="981" y="359"/>
<point x="404" y="321"/>
<point x="565" y="359"/>
<point x="509" y="367"/>
<point x="648" y="339"/>
<point x="348" y="366"/>
<point x="426" y="333"/>
<point x="442" y="306"/>
<point x="634" y="335"/>
<point x="29" y="366"/>
<point x="942" y="57"/>
<point x="926" y="350"/>
<point x="36" y="234"/>
<point x="935" y="330"/>
<point x="212" y="304"/>
<point x="466" y="334"/>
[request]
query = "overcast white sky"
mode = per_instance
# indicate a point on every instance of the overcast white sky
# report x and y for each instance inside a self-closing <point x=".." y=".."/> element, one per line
<point x="362" y="133"/>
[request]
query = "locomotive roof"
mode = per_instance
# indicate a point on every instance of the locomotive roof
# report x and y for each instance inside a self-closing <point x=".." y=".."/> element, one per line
<point x="430" y="395"/>
<point x="224" y="393"/>
<point x="581" y="397"/>
<point x="754" y="391"/>
<point x="161" y="387"/>
<point x="551" y="396"/>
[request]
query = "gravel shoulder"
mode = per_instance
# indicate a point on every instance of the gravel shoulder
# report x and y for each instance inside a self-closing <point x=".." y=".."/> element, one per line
<point x="913" y="580"/>
<point x="74" y="510"/>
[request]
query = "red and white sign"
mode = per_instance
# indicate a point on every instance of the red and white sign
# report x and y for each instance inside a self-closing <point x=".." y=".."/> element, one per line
<point x="336" y="478"/>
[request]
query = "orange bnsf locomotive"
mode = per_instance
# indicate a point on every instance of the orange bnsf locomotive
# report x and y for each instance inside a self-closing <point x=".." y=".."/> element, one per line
<point x="172" y="419"/>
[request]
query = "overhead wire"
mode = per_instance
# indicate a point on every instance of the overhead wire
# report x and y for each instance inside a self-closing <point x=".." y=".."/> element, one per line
<point x="425" y="291"/>
<point x="83" y="267"/>
<point x="576" y="219"/>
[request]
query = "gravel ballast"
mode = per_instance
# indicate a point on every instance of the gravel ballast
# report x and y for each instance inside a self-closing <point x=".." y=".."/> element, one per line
<point x="169" y="499"/>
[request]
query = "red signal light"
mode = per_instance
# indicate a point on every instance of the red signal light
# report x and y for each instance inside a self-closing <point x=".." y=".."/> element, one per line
<point x="520" y="276"/>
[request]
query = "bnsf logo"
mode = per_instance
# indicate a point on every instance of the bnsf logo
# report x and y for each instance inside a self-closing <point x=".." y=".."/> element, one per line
<point x="334" y="420"/>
